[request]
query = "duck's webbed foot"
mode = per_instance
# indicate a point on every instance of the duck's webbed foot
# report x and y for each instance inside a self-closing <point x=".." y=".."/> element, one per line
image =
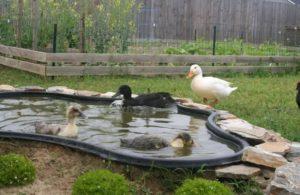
<point x="205" y="100"/>
<point x="212" y="104"/>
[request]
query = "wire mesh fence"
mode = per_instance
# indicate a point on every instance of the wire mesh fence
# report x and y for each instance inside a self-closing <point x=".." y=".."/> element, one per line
<point x="145" y="27"/>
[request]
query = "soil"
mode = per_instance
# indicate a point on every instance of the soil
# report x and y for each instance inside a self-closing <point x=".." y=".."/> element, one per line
<point x="58" y="167"/>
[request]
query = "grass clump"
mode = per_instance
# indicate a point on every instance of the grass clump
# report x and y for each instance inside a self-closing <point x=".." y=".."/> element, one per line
<point x="203" y="186"/>
<point x="243" y="187"/>
<point x="15" y="170"/>
<point x="101" y="182"/>
<point x="230" y="47"/>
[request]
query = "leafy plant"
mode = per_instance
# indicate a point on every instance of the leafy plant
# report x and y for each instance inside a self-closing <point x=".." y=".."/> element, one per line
<point x="112" y="24"/>
<point x="16" y="170"/>
<point x="101" y="182"/>
<point x="203" y="186"/>
<point x="229" y="47"/>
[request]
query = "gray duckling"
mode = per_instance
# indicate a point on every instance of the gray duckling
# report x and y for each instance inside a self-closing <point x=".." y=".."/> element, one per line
<point x="69" y="130"/>
<point x="150" y="142"/>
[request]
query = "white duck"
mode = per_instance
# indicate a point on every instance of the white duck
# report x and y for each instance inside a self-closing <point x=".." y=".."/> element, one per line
<point x="209" y="88"/>
<point x="69" y="130"/>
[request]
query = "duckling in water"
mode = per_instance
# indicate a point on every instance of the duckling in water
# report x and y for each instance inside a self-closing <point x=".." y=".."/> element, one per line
<point x="69" y="130"/>
<point x="148" y="142"/>
<point x="158" y="100"/>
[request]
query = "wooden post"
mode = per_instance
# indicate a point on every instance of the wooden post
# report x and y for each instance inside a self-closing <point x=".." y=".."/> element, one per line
<point x="19" y="24"/>
<point x="34" y="20"/>
<point x="153" y="25"/>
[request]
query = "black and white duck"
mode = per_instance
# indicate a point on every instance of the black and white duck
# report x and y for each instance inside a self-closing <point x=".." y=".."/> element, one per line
<point x="69" y="130"/>
<point x="150" y="142"/>
<point x="158" y="100"/>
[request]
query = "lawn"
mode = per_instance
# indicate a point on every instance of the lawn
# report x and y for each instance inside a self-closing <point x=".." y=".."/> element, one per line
<point x="266" y="100"/>
<point x="204" y="47"/>
<point x="231" y="47"/>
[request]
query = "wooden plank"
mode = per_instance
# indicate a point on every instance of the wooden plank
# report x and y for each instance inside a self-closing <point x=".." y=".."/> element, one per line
<point x="155" y="70"/>
<point x="144" y="58"/>
<point x="136" y="58"/>
<point x="24" y="53"/>
<point x="22" y="65"/>
<point x="274" y="59"/>
<point x="258" y="20"/>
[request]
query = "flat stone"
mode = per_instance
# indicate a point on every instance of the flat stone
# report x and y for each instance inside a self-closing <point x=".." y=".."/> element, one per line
<point x="286" y="180"/>
<point x="238" y="172"/>
<point x="267" y="173"/>
<point x="31" y="89"/>
<point x="134" y="95"/>
<point x="293" y="159"/>
<point x="294" y="154"/>
<point x="260" y="157"/>
<point x="225" y="115"/>
<point x="183" y="100"/>
<point x="261" y="181"/>
<point x="295" y="149"/>
<point x="196" y="105"/>
<point x="61" y="89"/>
<point x="249" y="131"/>
<point x="6" y="88"/>
<point x="108" y="94"/>
<point x="275" y="147"/>
<point x="87" y="93"/>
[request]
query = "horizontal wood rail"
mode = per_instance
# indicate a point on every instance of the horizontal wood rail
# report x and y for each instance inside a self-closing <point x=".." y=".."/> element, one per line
<point x="70" y="64"/>
<point x="23" y="53"/>
<point x="155" y="70"/>
<point x="144" y="58"/>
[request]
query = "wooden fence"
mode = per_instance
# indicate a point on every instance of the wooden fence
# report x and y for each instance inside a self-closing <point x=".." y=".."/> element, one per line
<point x="255" y="21"/>
<point x="72" y="64"/>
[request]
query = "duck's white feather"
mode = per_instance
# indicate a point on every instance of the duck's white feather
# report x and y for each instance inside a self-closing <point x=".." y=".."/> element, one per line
<point x="210" y="87"/>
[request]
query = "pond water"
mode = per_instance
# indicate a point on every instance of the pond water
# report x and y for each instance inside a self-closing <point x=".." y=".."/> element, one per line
<point x="105" y="126"/>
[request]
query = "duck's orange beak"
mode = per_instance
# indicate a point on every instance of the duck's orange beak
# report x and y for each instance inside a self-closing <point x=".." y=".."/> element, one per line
<point x="190" y="75"/>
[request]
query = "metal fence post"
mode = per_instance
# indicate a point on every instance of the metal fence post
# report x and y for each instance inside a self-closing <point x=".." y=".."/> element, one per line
<point x="214" y="41"/>
<point x="54" y="43"/>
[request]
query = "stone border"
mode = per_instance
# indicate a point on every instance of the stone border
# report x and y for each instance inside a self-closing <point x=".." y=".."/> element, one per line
<point x="258" y="162"/>
<point x="64" y="92"/>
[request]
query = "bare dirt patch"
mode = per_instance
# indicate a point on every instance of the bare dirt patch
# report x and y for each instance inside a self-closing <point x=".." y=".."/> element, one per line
<point x="58" y="167"/>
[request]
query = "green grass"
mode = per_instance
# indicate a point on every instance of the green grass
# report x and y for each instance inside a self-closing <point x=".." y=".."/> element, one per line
<point x="231" y="47"/>
<point x="266" y="100"/>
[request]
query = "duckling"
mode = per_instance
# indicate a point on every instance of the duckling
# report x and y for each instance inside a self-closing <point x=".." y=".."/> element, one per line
<point x="158" y="100"/>
<point x="150" y="142"/>
<point x="298" y="94"/>
<point x="69" y="130"/>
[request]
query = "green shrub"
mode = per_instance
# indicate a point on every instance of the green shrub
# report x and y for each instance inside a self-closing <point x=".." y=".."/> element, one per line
<point x="202" y="186"/>
<point x="16" y="170"/>
<point x="100" y="182"/>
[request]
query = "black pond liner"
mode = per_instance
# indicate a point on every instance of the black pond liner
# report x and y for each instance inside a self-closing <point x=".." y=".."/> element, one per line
<point x="122" y="157"/>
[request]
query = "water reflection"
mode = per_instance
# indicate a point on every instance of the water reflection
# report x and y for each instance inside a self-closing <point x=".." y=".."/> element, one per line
<point x="105" y="126"/>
